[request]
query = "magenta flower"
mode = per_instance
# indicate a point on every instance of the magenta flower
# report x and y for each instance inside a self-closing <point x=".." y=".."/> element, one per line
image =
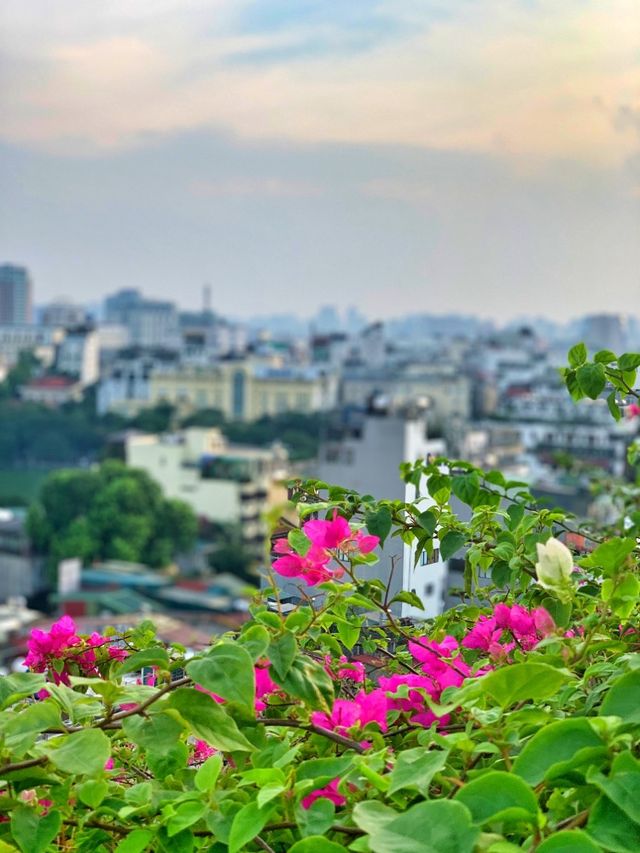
<point x="337" y="535"/>
<point x="329" y="792"/>
<point x="414" y="703"/>
<point x="265" y="686"/>
<point x="350" y="670"/>
<point x="347" y="713"/>
<point x="312" y="568"/>
<point x="201" y="751"/>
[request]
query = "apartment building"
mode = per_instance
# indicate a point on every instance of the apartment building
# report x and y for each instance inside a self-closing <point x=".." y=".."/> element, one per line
<point x="223" y="483"/>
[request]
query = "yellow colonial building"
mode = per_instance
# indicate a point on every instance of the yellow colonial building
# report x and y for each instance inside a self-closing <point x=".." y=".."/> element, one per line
<point x="244" y="390"/>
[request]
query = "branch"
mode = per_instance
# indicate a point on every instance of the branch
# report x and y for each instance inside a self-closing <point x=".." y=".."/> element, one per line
<point x="309" y="727"/>
<point x="23" y="765"/>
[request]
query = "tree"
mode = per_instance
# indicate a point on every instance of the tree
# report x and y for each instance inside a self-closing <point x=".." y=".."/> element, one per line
<point x="114" y="512"/>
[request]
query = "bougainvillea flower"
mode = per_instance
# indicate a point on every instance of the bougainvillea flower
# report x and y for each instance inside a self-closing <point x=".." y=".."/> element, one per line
<point x="265" y="686"/>
<point x="336" y="535"/>
<point x="347" y="713"/>
<point x="312" y="568"/>
<point x="329" y="792"/>
<point x="351" y="670"/>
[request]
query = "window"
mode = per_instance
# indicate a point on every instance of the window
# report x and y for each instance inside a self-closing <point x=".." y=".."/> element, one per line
<point x="426" y="558"/>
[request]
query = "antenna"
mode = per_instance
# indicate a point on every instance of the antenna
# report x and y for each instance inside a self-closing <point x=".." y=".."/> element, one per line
<point x="206" y="298"/>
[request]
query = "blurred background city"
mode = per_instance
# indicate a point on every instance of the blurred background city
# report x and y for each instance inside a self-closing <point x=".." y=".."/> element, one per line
<point x="243" y="242"/>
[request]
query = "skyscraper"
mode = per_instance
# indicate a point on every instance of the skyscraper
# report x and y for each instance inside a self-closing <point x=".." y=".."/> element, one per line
<point x="15" y="295"/>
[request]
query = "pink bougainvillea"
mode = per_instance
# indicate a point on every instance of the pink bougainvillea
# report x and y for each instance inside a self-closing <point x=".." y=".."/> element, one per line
<point x="509" y="628"/>
<point x="329" y="792"/>
<point x="45" y="650"/>
<point x="327" y="539"/>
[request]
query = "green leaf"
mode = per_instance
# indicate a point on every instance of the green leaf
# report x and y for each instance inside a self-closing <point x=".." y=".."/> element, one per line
<point x="610" y="826"/>
<point x="614" y="408"/>
<point x="317" y="819"/>
<point x="185" y="815"/>
<point x="307" y="680"/>
<point x="439" y="487"/>
<point x="208" y="720"/>
<point x="522" y="681"/>
<point x="256" y="641"/>
<point x="323" y="770"/>
<point x="623" y="698"/>
<point x="372" y="815"/>
<point x="158" y="737"/>
<point x="156" y="656"/>
<point x="465" y="487"/>
<point x="605" y="356"/>
<point x="577" y="355"/>
<point x="450" y="543"/>
<point x="407" y="597"/>
<point x="32" y="833"/>
<point x="428" y="521"/>
<point x="415" y="768"/>
<point x="437" y="826"/>
<point x="92" y="792"/>
<point x="299" y="542"/>
<point x="378" y="522"/>
<point x="569" y="841"/>
<point x="208" y="773"/>
<point x="80" y="753"/>
<point x="226" y="671"/>
<point x="610" y="555"/>
<point x="21" y="729"/>
<point x="247" y="823"/>
<point x="629" y="361"/>
<point x="498" y="796"/>
<point x="555" y="743"/>
<point x="516" y="514"/>
<point x="317" y="844"/>
<point x="622" y="594"/>
<point x="282" y="653"/>
<point x="623" y="789"/>
<point x="136" y="842"/>
<point x="591" y="379"/>
<point x="19" y="686"/>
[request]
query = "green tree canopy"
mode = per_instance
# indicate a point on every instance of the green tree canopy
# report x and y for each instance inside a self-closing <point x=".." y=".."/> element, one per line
<point x="113" y="512"/>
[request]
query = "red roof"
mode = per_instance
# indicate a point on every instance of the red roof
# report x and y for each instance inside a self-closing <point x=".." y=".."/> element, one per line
<point x="51" y="382"/>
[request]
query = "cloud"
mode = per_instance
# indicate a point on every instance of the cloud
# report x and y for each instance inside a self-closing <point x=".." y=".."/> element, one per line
<point x="527" y="82"/>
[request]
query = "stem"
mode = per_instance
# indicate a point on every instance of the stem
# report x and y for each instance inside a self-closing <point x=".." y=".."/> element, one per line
<point x="23" y="765"/>
<point x="318" y="730"/>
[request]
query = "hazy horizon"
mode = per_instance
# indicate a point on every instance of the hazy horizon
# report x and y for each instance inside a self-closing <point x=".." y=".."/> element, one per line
<point x="414" y="157"/>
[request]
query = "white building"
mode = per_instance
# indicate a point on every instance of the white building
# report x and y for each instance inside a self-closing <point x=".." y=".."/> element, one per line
<point x="367" y="458"/>
<point x="223" y="483"/>
<point x="64" y="314"/>
<point x="78" y="354"/>
<point x="125" y="384"/>
<point x="151" y="323"/>
<point x="40" y="340"/>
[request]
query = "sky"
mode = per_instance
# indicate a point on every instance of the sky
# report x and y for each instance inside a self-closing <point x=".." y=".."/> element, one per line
<point x="406" y="156"/>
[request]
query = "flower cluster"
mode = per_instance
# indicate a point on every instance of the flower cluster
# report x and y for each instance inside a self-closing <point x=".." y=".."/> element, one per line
<point x="47" y="649"/>
<point x="509" y="628"/>
<point x="327" y="538"/>
<point x="347" y="713"/>
<point x="441" y="667"/>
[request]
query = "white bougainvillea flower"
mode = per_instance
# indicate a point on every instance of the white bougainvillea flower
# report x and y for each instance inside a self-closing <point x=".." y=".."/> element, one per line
<point x="554" y="568"/>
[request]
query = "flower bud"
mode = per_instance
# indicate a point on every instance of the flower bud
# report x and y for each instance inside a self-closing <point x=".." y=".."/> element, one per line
<point x="554" y="568"/>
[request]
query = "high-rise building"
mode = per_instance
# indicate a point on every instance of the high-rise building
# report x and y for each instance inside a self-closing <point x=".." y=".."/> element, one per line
<point x="151" y="323"/>
<point x="15" y="295"/>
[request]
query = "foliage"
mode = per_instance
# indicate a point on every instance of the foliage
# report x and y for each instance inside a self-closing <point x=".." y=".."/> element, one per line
<point x="114" y="512"/>
<point x="21" y="373"/>
<point x="508" y="723"/>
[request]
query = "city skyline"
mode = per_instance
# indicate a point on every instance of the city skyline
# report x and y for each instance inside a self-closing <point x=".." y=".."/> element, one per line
<point x="432" y="157"/>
